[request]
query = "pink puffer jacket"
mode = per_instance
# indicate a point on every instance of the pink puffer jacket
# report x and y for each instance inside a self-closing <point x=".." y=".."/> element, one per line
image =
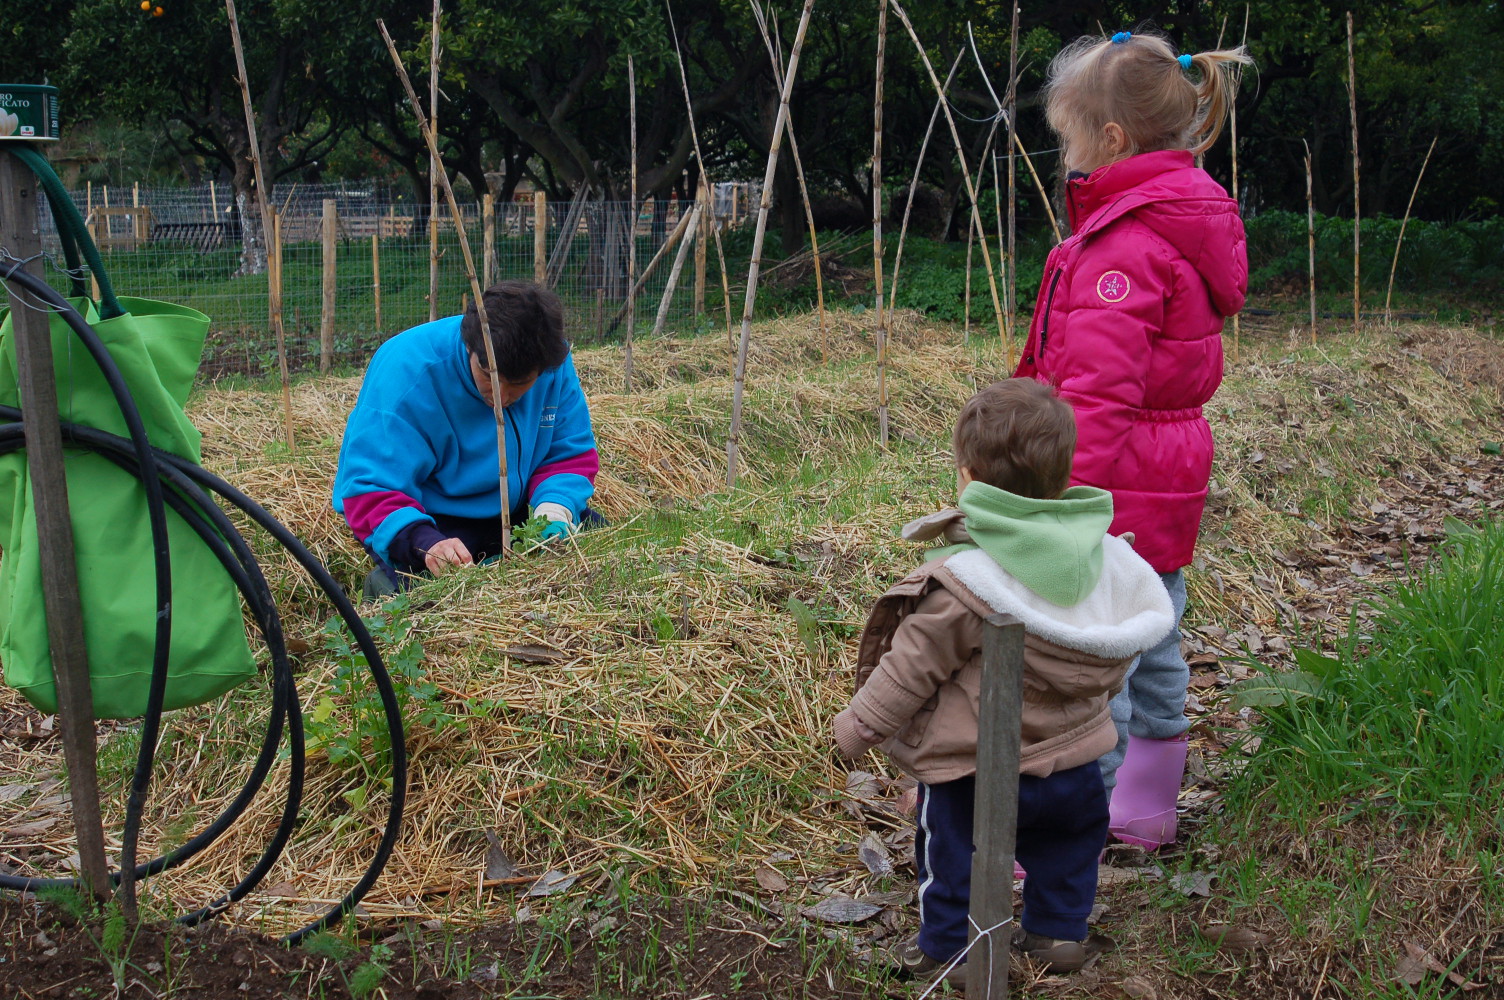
<point x="1128" y="328"/>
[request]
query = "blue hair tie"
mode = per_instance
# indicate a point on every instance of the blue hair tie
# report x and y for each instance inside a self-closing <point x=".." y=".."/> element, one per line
<point x="1121" y="37"/>
<point x="1185" y="63"/>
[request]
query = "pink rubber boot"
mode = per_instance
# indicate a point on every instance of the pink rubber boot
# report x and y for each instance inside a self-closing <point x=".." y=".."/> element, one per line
<point x="1142" y="810"/>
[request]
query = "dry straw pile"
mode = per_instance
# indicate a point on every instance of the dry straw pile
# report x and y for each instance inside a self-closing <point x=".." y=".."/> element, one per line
<point x="650" y="705"/>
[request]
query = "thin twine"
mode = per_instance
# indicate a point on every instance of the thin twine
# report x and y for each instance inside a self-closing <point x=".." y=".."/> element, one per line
<point x="991" y="954"/>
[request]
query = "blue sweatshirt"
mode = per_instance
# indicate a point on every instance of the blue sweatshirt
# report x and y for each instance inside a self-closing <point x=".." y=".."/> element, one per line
<point x="422" y="440"/>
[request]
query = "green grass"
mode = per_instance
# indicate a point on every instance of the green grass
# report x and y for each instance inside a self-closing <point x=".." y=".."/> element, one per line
<point x="1408" y="719"/>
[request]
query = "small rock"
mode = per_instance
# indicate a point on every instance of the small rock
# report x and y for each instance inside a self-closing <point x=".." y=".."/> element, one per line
<point x="1139" y="988"/>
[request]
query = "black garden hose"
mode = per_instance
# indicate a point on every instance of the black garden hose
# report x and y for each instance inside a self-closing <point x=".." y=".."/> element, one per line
<point x="188" y="489"/>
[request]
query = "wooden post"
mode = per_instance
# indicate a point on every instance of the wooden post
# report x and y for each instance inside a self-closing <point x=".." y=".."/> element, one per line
<point x="376" y="277"/>
<point x="488" y="233"/>
<point x="138" y="227"/>
<point x="1311" y="239"/>
<point x="213" y="203"/>
<point x="632" y="209"/>
<point x="540" y="237"/>
<point x="326" y="313"/>
<point x="702" y="197"/>
<point x="1352" y="104"/>
<point x="21" y="235"/>
<point x="995" y="822"/>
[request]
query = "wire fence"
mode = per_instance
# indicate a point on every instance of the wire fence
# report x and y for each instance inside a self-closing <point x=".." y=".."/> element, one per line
<point x="356" y="263"/>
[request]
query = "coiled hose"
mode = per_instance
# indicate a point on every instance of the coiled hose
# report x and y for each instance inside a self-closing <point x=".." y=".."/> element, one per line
<point x="188" y="494"/>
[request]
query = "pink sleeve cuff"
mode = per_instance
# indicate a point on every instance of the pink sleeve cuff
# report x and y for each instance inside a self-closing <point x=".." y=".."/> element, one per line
<point x="853" y="737"/>
<point x="365" y="512"/>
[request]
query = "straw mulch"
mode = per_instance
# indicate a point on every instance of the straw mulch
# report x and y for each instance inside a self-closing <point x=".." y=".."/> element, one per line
<point x="646" y="707"/>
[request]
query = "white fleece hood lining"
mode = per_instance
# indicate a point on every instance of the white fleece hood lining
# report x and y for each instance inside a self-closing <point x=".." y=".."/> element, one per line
<point x="1127" y="612"/>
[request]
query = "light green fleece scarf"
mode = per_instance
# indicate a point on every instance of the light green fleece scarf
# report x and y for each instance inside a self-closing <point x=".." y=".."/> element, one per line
<point x="1053" y="547"/>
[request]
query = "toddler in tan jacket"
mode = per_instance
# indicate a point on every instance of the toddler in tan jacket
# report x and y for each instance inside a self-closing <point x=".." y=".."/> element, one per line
<point x="1021" y="544"/>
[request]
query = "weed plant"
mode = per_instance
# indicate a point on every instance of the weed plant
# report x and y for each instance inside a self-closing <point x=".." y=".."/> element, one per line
<point x="1407" y="720"/>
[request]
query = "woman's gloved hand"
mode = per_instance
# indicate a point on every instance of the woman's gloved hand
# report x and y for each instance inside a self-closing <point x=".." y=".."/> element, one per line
<point x="560" y="522"/>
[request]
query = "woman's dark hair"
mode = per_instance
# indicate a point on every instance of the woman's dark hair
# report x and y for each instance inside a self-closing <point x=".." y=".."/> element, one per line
<point x="527" y="329"/>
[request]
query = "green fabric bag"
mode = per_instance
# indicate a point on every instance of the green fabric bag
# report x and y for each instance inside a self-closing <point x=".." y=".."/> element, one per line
<point x="157" y="347"/>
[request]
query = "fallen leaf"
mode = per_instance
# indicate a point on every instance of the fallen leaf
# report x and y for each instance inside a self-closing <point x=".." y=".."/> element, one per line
<point x="10" y="792"/>
<point x="898" y="897"/>
<point x="1411" y="967"/>
<point x="841" y="910"/>
<point x="535" y="654"/>
<point x="32" y="829"/>
<point x="1138" y="988"/>
<point x="551" y="883"/>
<point x="875" y="856"/>
<point x="498" y="865"/>
<point x="1232" y="937"/>
<point x="771" y="879"/>
<point x="281" y="890"/>
<point x="1108" y="875"/>
<point x="1192" y="883"/>
<point x="862" y="785"/>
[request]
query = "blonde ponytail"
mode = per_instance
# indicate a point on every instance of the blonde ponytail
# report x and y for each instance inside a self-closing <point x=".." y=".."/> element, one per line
<point x="1215" y="93"/>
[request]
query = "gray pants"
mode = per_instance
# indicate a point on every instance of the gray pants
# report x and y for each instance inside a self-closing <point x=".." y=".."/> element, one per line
<point x="1152" y="702"/>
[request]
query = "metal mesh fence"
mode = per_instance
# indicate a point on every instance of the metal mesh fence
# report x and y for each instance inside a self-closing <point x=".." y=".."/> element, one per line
<point x="186" y="245"/>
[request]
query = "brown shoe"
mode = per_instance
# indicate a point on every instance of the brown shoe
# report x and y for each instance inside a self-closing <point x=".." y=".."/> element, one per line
<point x="1055" y="955"/>
<point x="910" y="962"/>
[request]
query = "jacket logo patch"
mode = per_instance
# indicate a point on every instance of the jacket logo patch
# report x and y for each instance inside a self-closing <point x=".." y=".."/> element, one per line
<point x="1112" y="287"/>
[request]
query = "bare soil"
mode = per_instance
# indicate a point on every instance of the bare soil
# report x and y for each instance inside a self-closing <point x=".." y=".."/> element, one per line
<point x="699" y="950"/>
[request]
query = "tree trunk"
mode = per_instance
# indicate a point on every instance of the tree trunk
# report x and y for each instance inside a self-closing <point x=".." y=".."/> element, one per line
<point x="248" y="206"/>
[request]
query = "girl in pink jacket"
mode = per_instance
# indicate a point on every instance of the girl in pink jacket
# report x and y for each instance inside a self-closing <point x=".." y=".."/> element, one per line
<point x="1128" y="328"/>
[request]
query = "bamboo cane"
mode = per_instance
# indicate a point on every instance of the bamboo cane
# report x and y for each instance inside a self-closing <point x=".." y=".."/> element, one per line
<point x="694" y="134"/>
<point x="631" y="226"/>
<point x="1012" y="111"/>
<point x="1352" y="103"/>
<point x="769" y="174"/>
<point x="877" y="225"/>
<point x="642" y="279"/>
<point x="1310" y="239"/>
<point x="1237" y="317"/>
<point x="701" y="198"/>
<point x="989" y="159"/>
<point x="435" y="167"/>
<point x="274" y="292"/>
<point x="1044" y="196"/>
<point x="1394" y="264"/>
<point x="475" y="289"/>
<point x="903" y="229"/>
<point x="809" y="214"/>
<point x="376" y="277"/>
<point x="971" y="191"/>
<point x="673" y="274"/>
